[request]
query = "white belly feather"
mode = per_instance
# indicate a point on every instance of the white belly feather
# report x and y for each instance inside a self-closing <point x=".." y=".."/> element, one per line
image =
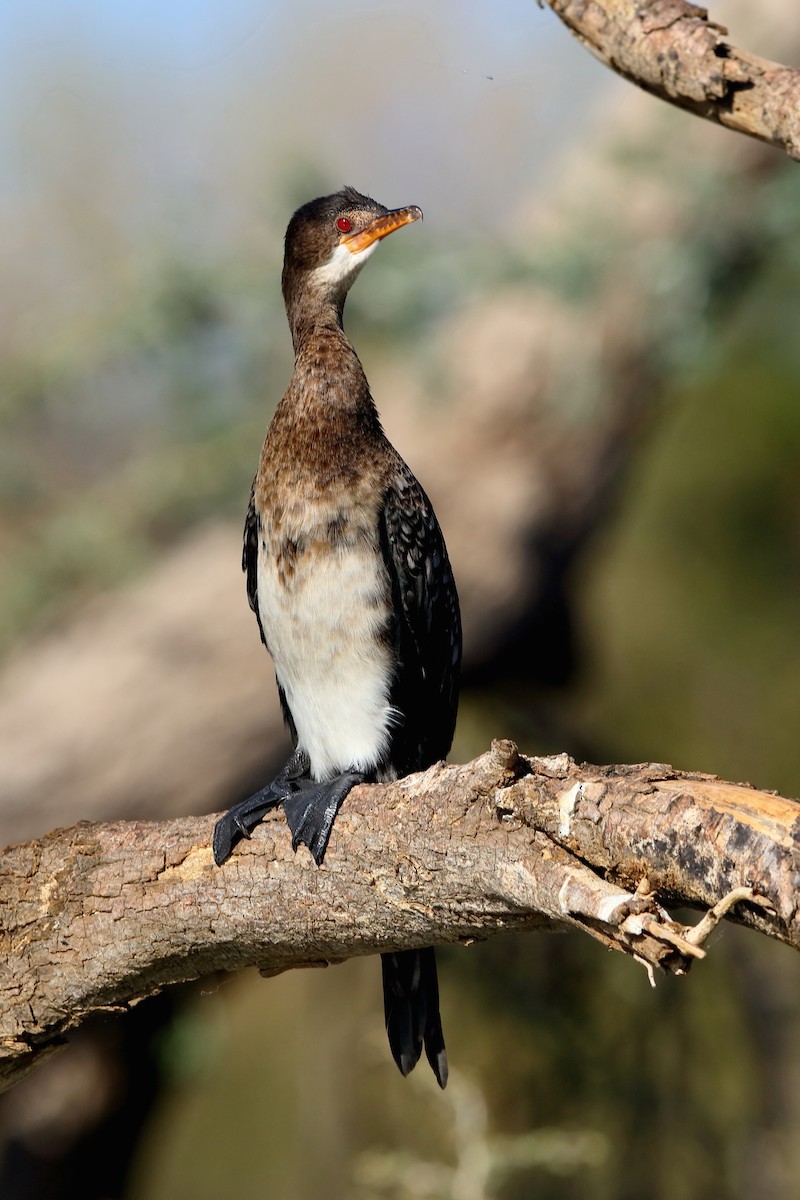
<point x="323" y="627"/>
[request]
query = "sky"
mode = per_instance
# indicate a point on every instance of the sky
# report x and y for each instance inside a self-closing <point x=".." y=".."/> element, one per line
<point x="458" y="105"/>
<point x="221" y="112"/>
<point x="197" y="35"/>
<point x="130" y="127"/>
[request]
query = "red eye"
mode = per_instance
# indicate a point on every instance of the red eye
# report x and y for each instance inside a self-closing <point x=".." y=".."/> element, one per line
<point x="344" y="224"/>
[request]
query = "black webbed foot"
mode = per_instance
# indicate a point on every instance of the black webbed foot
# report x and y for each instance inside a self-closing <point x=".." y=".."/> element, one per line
<point x="239" y="821"/>
<point x="311" y="810"/>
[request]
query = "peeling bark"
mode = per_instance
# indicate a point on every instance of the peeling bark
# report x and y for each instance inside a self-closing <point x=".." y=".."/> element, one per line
<point x="97" y="916"/>
<point x="671" y="49"/>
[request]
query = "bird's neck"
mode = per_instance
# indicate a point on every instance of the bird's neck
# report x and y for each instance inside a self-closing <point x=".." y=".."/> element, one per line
<point x="312" y="315"/>
<point x="328" y="386"/>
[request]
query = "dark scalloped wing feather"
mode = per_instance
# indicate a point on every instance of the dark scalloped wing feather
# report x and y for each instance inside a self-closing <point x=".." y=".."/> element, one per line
<point x="252" y="532"/>
<point x="427" y="633"/>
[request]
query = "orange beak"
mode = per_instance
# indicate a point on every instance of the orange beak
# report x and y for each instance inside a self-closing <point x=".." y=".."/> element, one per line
<point x="381" y="227"/>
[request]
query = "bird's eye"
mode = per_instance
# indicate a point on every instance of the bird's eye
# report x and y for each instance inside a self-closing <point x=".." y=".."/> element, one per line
<point x="344" y="224"/>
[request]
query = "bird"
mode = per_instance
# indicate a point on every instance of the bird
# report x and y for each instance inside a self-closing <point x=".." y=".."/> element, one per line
<point x="349" y="578"/>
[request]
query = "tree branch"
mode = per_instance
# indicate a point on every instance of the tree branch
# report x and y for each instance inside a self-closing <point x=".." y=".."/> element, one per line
<point x="98" y="916"/>
<point x="671" y="49"/>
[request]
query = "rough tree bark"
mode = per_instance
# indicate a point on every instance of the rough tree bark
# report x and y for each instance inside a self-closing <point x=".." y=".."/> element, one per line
<point x="671" y="49"/>
<point x="97" y="916"/>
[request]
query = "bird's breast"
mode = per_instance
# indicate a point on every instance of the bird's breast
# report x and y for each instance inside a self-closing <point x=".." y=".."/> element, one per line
<point x="325" y="606"/>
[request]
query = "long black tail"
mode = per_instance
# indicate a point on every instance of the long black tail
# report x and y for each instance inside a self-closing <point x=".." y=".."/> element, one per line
<point x="411" y="1005"/>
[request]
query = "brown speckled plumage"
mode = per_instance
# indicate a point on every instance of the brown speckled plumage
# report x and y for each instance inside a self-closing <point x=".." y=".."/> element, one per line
<point x="348" y="573"/>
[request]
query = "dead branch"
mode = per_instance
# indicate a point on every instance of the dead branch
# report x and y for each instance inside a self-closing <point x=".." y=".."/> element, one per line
<point x="671" y="49"/>
<point x="98" y="916"/>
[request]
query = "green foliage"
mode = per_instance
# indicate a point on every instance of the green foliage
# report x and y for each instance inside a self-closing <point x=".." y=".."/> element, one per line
<point x="694" y="597"/>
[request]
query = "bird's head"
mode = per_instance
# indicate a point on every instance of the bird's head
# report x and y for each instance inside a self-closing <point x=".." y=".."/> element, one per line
<point x="329" y="240"/>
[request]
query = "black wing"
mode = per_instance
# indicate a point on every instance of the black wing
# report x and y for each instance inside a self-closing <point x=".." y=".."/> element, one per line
<point x="252" y="534"/>
<point x="427" y="626"/>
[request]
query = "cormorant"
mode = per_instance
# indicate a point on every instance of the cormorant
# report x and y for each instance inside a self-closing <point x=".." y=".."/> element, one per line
<point x="348" y="575"/>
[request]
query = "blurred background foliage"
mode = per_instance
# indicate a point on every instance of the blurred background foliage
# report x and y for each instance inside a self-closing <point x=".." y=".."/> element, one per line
<point x="149" y="161"/>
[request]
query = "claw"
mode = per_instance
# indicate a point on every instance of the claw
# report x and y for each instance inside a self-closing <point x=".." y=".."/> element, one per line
<point x="311" y="811"/>
<point x="240" y="825"/>
<point x="240" y="820"/>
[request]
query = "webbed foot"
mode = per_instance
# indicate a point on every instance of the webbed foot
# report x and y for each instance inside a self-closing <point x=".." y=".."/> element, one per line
<point x="312" y="807"/>
<point x="239" y="821"/>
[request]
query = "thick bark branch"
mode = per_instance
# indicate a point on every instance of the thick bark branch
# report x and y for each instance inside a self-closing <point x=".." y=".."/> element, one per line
<point x="672" y="49"/>
<point x="98" y="916"/>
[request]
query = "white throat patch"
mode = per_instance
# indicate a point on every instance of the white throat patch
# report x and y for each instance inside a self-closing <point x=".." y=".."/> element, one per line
<point x="342" y="266"/>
